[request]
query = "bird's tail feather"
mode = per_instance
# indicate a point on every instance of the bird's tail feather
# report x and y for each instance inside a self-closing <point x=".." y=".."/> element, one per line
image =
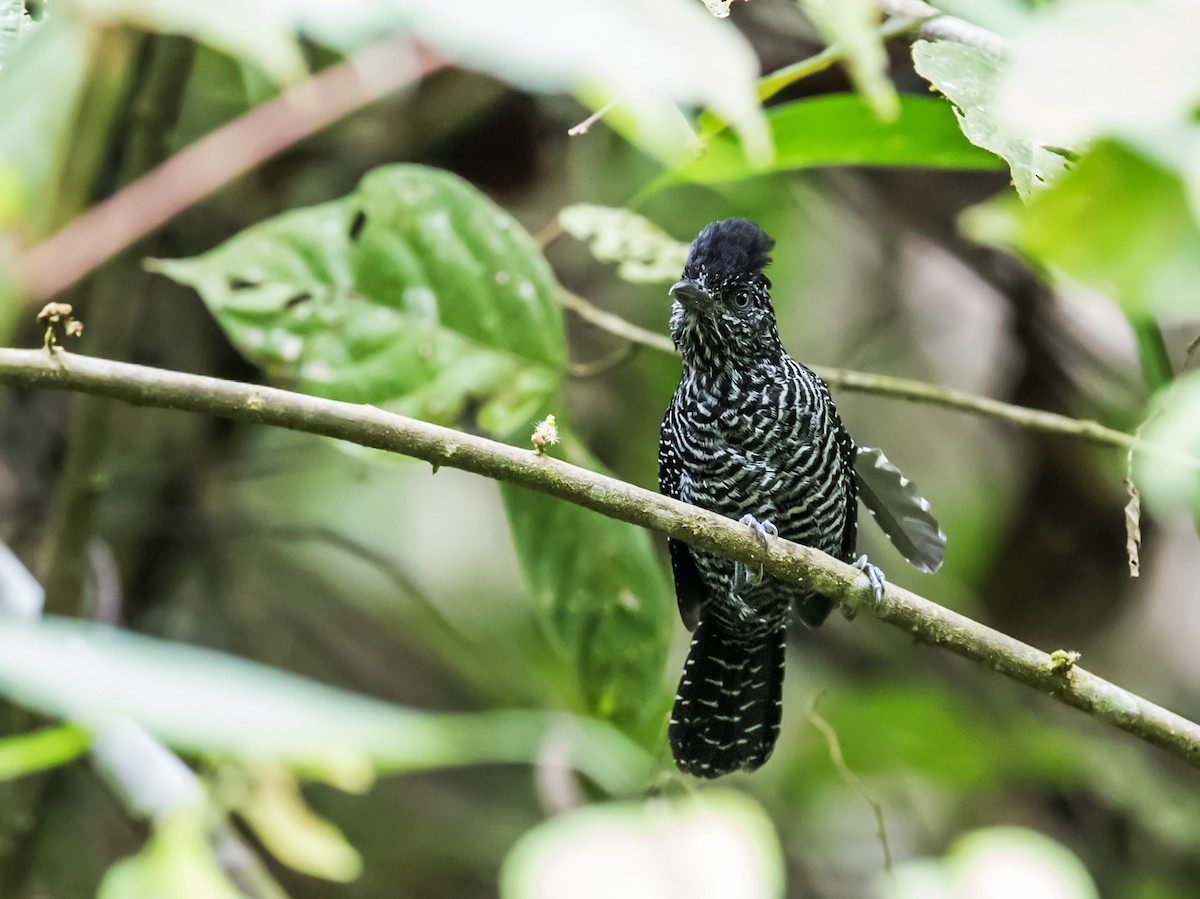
<point x="727" y="712"/>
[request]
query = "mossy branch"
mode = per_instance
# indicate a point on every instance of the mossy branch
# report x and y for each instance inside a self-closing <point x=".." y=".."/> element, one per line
<point x="1056" y="676"/>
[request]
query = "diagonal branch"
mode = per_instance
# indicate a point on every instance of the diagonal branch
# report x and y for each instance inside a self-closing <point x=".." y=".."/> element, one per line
<point x="1056" y="676"/>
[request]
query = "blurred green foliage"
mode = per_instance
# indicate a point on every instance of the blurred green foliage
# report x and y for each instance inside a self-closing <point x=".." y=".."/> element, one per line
<point x="446" y="664"/>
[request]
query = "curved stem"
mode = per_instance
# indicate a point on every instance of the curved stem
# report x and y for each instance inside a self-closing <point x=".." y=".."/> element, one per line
<point x="918" y="617"/>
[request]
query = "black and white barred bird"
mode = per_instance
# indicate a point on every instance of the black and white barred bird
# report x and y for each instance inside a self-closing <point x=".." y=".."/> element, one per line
<point x="754" y="435"/>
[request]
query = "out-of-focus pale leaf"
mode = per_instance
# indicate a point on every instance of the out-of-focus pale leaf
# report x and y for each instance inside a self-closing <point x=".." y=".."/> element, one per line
<point x="262" y="32"/>
<point x="1091" y="68"/>
<point x="839" y="129"/>
<point x="967" y="76"/>
<point x="714" y="845"/>
<point x="42" y="749"/>
<point x="995" y="863"/>
<point x="1116" y="222"/>
<point x="600" y="594"/>
<point x="292" y="832"/>
<point x="647" y="55"/>
<point x="177" y="862"/>
<point x="206" y="702"/>
<point x="853" y="25"/>
<point x="1169" y="481"/>
<point x="39" y="85"/>
<point x="644" y="253"/>
<point x="415" y="293"/>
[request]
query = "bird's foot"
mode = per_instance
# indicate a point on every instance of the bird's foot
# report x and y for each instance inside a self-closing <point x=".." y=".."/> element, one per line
<point x="874" y="577"/>
<point x="743" y="576"/>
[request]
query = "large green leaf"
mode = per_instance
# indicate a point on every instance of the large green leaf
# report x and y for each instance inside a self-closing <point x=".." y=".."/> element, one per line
<point x="415" y="292"/>
<point x="968" y="77"/>
<point x="202" y="701"/>
<point x="840" y="129"/>
<point x="602" y="597"/>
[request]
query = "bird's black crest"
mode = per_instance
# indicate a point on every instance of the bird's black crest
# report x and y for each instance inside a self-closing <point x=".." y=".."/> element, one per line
<point x="728" y="249"/>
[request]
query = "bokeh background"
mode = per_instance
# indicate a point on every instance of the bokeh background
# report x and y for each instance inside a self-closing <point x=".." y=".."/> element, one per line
<point x="371" y="575"/>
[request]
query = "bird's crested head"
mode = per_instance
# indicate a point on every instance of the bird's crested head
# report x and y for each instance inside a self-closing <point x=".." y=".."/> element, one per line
<point x="722" y="310"/>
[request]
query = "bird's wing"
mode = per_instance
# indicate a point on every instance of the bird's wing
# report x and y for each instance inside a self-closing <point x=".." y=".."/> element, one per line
<point x="689" y="587"/>
<point x="901" y="512"/>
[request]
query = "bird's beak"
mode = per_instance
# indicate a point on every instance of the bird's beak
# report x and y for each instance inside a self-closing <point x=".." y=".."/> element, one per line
<point x="690" y="293"/>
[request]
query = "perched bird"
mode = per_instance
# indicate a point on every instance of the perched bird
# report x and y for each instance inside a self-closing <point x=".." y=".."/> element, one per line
<point x="754" y="435"/>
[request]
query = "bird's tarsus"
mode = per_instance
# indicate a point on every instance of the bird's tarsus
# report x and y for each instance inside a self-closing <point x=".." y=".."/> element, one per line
<point x="876" y="578"/>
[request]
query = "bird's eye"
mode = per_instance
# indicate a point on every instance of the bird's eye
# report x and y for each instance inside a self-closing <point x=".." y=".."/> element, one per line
<point x="741" y="301"/>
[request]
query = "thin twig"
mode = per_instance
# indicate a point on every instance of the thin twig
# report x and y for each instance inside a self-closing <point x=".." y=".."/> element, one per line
<point x="918" y="617"/>
<point x="848" y="775"/>
<point x="905" y="389"/>
<point x="216" y="159"/>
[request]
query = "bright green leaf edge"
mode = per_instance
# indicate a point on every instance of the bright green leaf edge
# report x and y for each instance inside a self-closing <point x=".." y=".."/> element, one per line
<point x="41" y="750"/>
<point x="840" y="129"/>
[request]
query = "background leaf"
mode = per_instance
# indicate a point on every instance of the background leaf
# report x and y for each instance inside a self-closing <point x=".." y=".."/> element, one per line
<point x="840" y="129"/>
<point x="644" y="252"/>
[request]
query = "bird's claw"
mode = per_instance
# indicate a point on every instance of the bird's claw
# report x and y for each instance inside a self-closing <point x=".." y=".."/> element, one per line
<point x="743" y="577"/>
<point x="874" y="576"/>
<point x="762" y="528"/>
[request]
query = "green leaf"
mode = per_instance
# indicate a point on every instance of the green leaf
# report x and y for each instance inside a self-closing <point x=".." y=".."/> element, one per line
<point x="602" y="598"/>
<point x="968" y="77"/>
<point x="853" y="25"/>
<point x="1116" y="222"/>
<point x="840" y="129"/>
<point x="206" y="702"/>
<point x="415" y="292"/>
<point x="40" y="750"/>
<point x="713" y="845"/>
